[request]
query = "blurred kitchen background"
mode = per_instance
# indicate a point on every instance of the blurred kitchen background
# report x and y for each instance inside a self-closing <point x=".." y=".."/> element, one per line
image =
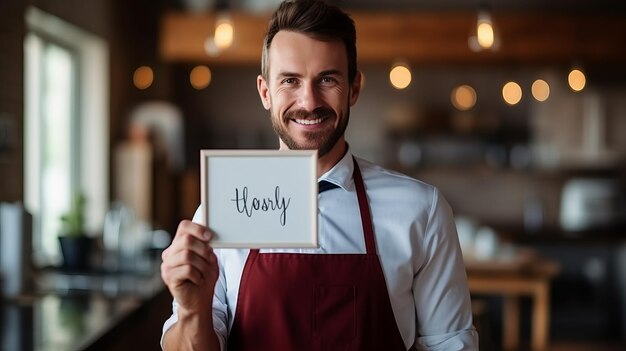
<point x="515" y="109"/>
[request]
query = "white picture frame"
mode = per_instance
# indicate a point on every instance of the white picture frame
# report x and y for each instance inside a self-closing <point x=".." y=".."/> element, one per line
<point x="260" y="198"/>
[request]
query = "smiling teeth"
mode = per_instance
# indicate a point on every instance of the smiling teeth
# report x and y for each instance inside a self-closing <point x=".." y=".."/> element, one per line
<point x="309" y="121"/>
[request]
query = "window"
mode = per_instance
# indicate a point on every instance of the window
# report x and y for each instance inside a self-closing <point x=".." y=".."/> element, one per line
<point x="66" y="126"/>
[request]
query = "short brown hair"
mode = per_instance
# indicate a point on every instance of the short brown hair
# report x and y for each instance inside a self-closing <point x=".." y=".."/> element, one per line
<point x="316" y="19"/>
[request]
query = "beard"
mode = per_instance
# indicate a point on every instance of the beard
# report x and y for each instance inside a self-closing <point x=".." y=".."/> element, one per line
<point x="322" y="140"/>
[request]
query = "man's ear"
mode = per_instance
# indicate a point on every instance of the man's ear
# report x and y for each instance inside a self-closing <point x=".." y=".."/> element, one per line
<point x="355" y="88"/>
<point x="261" y="86"/>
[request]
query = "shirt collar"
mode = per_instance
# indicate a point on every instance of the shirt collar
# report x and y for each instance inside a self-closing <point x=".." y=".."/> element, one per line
<point x="341" y="173"/>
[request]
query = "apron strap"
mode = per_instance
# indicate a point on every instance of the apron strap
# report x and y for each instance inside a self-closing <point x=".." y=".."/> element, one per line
<point x="366" y="218"/>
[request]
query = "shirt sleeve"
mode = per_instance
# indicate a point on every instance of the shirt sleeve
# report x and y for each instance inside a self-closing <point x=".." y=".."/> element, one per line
<point x="220" y="312"/>
<point x="220" y="307"/>
<point x="440" y="288"/>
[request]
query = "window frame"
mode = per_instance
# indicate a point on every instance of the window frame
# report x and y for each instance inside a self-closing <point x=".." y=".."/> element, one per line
<point x="90" y="123"/>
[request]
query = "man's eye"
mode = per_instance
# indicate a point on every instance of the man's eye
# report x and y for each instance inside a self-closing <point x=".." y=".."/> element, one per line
<point x="328" y="80"/>
<point x="289" y="81"/>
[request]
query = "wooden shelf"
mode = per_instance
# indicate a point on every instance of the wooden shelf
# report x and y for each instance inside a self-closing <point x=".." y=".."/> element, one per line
<point x="419" y="37"/>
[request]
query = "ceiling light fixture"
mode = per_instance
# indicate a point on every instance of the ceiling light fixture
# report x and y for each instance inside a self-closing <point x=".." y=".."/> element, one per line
<point x="223" y="33"/>
<point x="540" y="90"/>
<point x="483" y="35"/>
<point x="484" y="30"/>
<point x="224" y="30"/>
<point x="143" y="77"/>
<point x="400" y="76"/>
<point x="463" y="97"/>
<point x="512" y="93"/>
<point x="200" y="77"/>
<point x="577" y="79"/>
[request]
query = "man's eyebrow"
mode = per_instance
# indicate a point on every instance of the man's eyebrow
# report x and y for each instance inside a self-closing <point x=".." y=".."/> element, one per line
<point x="330" y="72"/>
<point x="289" y="74"/>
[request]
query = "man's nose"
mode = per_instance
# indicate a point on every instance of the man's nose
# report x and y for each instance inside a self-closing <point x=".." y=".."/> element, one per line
<point x="309" y="98"/>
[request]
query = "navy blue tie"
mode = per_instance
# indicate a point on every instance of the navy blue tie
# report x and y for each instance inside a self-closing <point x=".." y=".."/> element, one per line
<point x="324" y="185"/>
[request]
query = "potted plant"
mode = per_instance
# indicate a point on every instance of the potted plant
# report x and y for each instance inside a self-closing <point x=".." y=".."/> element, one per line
<point x="73" y="239"/>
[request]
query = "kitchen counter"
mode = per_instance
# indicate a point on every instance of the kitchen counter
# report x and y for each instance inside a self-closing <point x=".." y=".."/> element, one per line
<point x="77" y="310"/>
<point x="615" y="234"/>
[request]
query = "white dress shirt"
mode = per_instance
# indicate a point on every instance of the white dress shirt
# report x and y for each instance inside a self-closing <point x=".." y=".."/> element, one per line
<point x="417" y="246"/>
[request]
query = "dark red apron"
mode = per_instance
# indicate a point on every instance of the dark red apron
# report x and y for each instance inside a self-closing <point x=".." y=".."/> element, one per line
<point x="291" y="301"/>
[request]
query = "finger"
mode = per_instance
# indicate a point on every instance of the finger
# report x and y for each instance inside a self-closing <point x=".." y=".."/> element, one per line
<point x="203" y="265"/>
<point x="188" y="243"/>
<point x="177" y="276"/>
<point x="197" y="230"/>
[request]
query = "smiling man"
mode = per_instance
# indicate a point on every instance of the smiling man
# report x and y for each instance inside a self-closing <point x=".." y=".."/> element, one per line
<point x="388" y="274"/>
<point x="309" y="99"/>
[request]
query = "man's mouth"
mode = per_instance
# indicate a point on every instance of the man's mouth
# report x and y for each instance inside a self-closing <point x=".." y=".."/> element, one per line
<point x="309" y="122"/>
<point x="309" y="119"/>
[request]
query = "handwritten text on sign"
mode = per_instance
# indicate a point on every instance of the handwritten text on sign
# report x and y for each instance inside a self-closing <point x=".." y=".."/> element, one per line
<point x="247" y="205"/>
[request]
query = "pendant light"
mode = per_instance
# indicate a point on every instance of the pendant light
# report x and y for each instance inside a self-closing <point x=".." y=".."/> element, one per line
<point x="400" y="75"/>
<point x="224" y="31"/>
<point x="483" y="35"/>
<point x="576" y="78"/>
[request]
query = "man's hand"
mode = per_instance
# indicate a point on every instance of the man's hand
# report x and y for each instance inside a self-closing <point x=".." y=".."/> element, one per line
<point x="189" y="268"/>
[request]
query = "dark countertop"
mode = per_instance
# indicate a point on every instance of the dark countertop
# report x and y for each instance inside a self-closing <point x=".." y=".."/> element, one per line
<point x="614" y="234"/>
<point x="73" y="310"/>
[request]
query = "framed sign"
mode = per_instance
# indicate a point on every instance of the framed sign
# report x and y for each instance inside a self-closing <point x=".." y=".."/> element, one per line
<point x="260" y="198"/>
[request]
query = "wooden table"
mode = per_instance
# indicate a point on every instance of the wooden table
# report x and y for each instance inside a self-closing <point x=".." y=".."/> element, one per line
<point x="524" y="274"/>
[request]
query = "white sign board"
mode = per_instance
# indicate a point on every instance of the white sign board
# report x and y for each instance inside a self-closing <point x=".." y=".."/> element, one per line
<point x="260" y="198"/>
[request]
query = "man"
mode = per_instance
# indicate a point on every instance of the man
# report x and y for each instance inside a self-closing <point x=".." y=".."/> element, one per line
<point x="387" y="279"/>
